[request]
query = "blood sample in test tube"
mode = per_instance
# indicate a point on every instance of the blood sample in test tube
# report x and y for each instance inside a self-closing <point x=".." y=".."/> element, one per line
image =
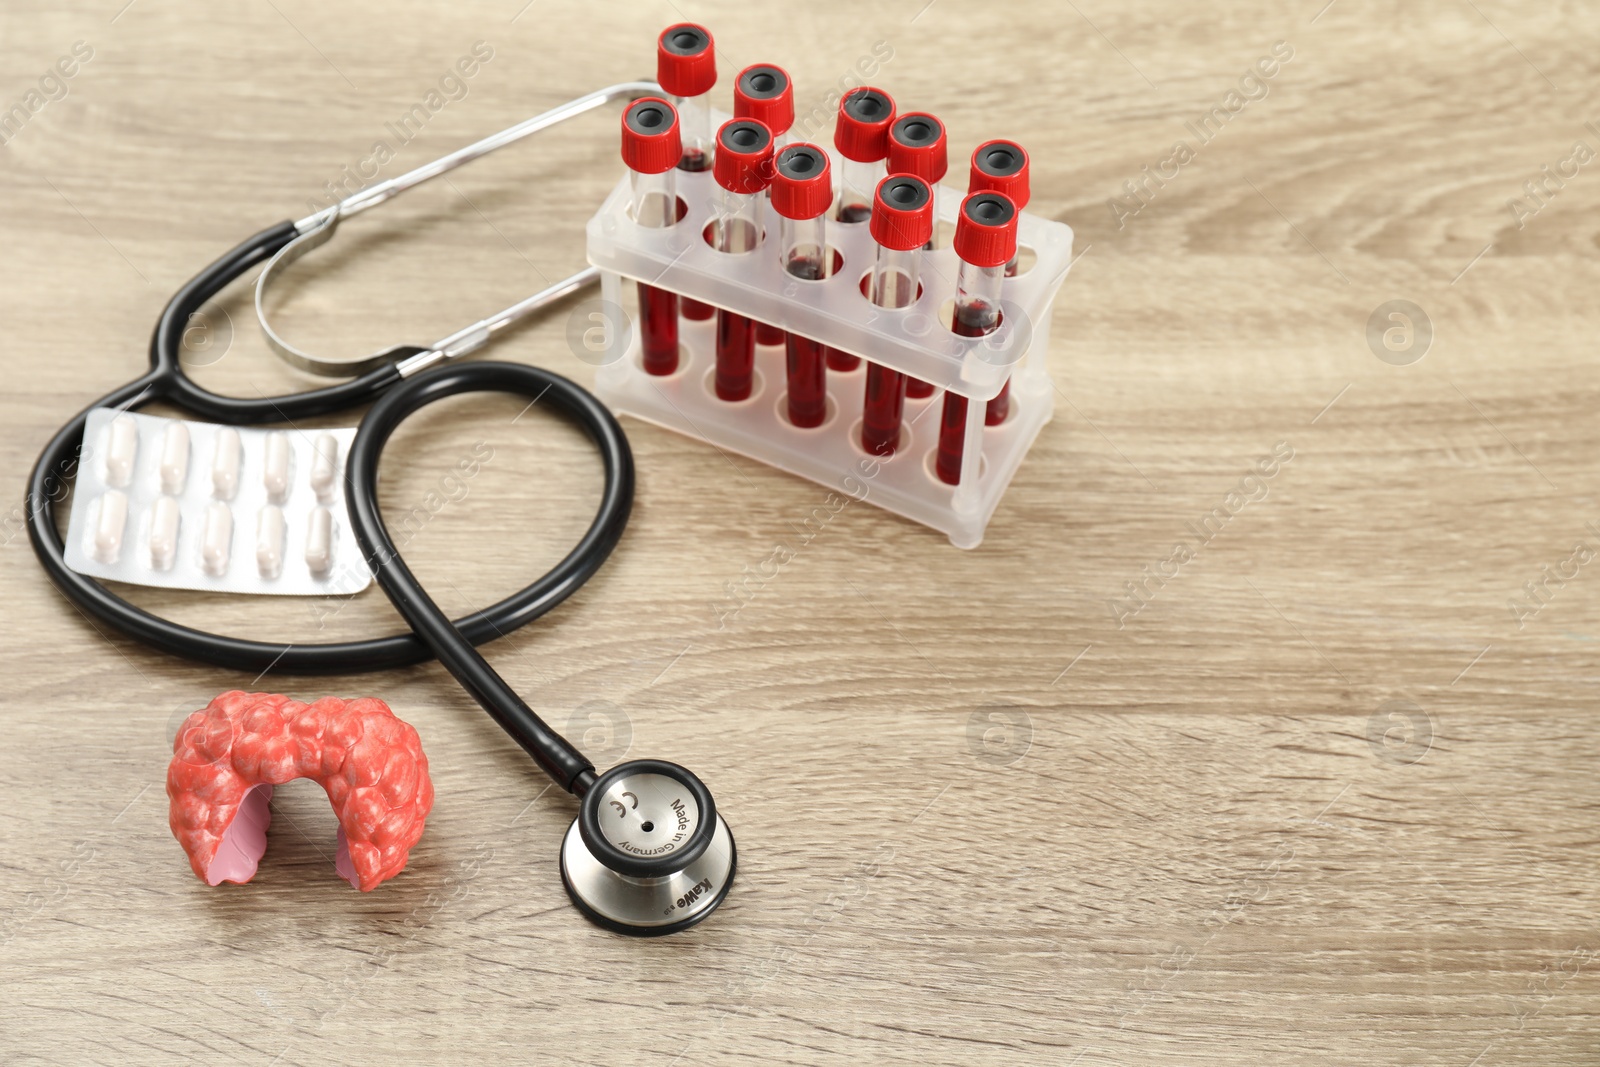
<point x="743" y="169"/>
<point x="686" y="68"/>
<point x="985" y="241"/>
<point x="651" y="146"/>
<point x="1000" y="167"/>
<point x="917" y="146"/>
<point x="763" y="92"/>
<point x="902" y="222"/>
<point x="802" y="190"/>
<point x="861" y="134"/>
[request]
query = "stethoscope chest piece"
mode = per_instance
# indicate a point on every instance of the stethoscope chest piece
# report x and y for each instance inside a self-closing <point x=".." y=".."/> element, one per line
<point x="648" y="854"/>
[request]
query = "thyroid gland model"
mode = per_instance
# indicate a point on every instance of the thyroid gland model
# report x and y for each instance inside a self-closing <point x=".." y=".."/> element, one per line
<point x="227" y="758"/>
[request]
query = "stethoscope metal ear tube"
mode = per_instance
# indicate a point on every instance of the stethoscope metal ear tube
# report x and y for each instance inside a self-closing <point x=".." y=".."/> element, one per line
<point x="316" y="230"/>
<point x="647" y="815"/>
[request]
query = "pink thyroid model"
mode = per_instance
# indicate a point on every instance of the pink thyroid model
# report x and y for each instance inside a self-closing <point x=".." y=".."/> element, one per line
<point x="228" y="756"/>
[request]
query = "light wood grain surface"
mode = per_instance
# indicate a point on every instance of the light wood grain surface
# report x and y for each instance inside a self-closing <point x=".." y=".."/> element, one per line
<point x="1324" y="799"/>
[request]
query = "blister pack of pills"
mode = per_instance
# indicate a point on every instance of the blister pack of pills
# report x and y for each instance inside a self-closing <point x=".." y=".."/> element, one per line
<point x="197" y="505"/>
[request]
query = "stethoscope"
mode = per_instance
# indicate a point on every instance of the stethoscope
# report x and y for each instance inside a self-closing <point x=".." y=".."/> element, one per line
<point x="648" y="853"/>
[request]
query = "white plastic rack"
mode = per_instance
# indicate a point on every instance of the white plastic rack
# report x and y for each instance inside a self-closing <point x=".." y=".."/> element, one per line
<point x="916" y="340"/>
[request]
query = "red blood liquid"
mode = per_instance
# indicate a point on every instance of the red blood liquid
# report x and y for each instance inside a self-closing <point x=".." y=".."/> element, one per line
<point x="736" y="356"/>
<point x="768" y="335"/>
<point x="694" y="309"/>
<point x="842" y="361"/>
<point x="953" y="420"/>
<point x="999" y="407"/>
<point x="808" y="394"/>
<point x="658" y="310"/>
<point x="917" y="389"/>
<point x="952" y="439"/>
<point x="881" y="409"/>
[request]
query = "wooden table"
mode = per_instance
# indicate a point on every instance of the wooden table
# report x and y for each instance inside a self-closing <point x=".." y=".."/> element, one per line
<point x="1326" y="796"/>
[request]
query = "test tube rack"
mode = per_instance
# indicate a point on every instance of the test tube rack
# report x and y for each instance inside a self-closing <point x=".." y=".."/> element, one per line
<point x="916" y="340"/>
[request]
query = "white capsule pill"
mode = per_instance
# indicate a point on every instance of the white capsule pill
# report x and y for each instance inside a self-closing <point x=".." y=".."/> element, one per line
<point x="324" y="465"/>
<point x="108" y="525"/>
<point x="225" y="464"/>
<point x="164" y="533"/>
<point x="121" y="450"/>
<point x="319" y="541"/>
<point x="269" y="541"/>
<point x="275" y="466"/>
<point x="174" y="457"/>
<point x="217" y="541"/>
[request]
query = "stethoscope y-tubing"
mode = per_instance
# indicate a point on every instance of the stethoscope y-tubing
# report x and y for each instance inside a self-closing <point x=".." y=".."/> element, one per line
<point x="432" y="632"/>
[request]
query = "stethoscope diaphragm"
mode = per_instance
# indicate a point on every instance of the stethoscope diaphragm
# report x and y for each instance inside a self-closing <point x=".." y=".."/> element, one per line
<point x="648" y="854"/>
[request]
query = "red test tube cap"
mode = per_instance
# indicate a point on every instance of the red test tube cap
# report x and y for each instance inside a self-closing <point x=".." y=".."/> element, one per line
<point x="917" y="145"/>
<point x="862" y="132"/>
<point x="802" y="182"/>
<point x="686" y="60"/>
<point x="744" y="156"/>
<point x="651" y="142"/>
<point x="1000" y="167"/>
<point x="986" y="231"/>
<point x="764" y="93"/>
<point x="902" y="213"/>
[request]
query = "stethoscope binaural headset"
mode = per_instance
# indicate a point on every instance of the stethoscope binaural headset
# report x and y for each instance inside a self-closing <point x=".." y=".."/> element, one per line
<point x="648" y="853"/>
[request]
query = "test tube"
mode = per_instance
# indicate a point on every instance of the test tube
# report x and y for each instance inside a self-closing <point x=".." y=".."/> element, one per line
<point x="686" y="68"/>
<point x="985" y="241"/>
<point x="802" y="189"/>
<point x="1000" y="167"/>
<point x="763" y="92"/>
<point x="743" y="169"/>
<point x="902" y="221"/>
<point x="861" y="134"/>
<point x="917" y="146"/>
<point x="651" y="146"/>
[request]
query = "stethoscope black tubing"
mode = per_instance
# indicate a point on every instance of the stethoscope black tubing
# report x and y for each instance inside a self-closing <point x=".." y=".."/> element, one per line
<point x="165" y="381"/>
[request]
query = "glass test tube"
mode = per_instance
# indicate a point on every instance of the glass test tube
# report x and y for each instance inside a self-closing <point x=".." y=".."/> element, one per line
<point x="801" y="193"/>
<point x="985" y="241"/>
<point x="902" y="220"/>
<point x="977" y="312"/>
<point x="686" y="68"/>
<point x="651" y="149"/>
<point x="697" y="155"/>
<point x="918" y="145"/>
<point x="764" y="92"/>
<point x="743" y="169"/>
<point x="695" y="114"/>
<point x="805" y="255"/>
<point x="735" y="230"/>
<point x="861" y="134"/>
<point x="1001" y="166"/>
<point x="655" y="204"/>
